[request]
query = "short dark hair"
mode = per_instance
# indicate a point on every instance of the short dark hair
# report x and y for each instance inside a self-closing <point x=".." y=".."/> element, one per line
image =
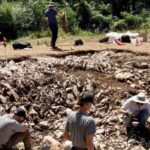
<point x="85" y="97"/>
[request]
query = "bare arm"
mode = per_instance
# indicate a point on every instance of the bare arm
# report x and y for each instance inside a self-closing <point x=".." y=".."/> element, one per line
<point x="89" y="142"/>
<point x="61" y="14"/>
<point x="50" y="140"/>
<point x="122" y="111"/>
<point x="125" y="112"/>
<point x="45" y="18"/>
<point x="66" y="135"/>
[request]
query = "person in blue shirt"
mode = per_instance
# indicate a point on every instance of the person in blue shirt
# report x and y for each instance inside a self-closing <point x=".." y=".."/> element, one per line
<point x="50" y="17"/>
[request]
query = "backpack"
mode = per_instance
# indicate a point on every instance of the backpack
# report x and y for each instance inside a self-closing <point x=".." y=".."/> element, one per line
<point x="78" y="42"/>
<point x="21" y="45"/>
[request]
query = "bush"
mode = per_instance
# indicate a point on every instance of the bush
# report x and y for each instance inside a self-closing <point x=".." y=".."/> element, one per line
<point x="145" y="14"/>
<point x="38" y="8"/>
<point x="119" y="25"/>
<point x="23" y="17"/>
<point x="146" y="24"/>
<point x="84" y="14"/>
<point x="129" y="21"/>
<point x="105" y="9"/>
<point x="72" y="21"/>
<point x="99" y="21"/>
<point x="16" y="18"/>
<point x="6" y="20"/>
<point x="132" y="21"/>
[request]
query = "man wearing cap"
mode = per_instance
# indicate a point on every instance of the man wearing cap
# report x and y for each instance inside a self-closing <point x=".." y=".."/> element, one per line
<point x="50" y="17"/>
<point x="136" y="108"/>
<point x="12" y="132"/>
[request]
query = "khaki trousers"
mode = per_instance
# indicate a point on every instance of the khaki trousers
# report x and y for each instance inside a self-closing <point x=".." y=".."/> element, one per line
<point x="19" y="137"/>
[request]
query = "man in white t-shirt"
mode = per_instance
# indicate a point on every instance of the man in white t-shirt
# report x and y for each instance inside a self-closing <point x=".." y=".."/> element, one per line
<point x="136" y="108"/>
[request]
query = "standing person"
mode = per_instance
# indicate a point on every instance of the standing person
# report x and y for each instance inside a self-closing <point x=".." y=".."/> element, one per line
<point x="12" y="132"/>
<point x="50" y="17"/>
<point x="80" y="127"/>
<point x="136" y="108"/>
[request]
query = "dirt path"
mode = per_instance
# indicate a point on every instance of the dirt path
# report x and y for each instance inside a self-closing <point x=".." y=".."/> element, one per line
<point x="40" y="48"/>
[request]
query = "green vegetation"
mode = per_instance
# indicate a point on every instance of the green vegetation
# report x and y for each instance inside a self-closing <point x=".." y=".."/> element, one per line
<point x="20" y="17"/>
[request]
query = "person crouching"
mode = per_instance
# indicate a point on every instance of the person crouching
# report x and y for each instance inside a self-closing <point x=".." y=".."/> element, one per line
<point x="12" y="132"/>
<point x="136" y="111"/>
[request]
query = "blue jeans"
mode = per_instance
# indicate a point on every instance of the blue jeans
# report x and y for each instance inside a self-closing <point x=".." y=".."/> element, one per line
<point x="141" y="117"/>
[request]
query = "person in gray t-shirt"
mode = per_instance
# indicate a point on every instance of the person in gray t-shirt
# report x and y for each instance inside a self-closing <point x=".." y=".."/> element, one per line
<point x="12" y="132"/>
<point x="80" y="127"/>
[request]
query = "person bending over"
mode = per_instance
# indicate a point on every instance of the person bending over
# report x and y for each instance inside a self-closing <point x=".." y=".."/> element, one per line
<point x="136" y="108"/>
<point x="12" y="132"/>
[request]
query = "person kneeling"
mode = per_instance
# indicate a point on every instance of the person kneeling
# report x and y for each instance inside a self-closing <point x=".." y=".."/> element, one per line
<point x="12" y="132"/>
<point x="136" y="111"/>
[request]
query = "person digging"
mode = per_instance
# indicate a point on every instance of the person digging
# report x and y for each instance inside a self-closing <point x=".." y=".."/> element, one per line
<point x="12" y="131"/>
<point x="136" y="111"/>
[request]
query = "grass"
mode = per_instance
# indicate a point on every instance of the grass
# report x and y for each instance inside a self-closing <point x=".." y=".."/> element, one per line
<point x="46" y="33"/>
<point x="65" y="42"/>
<point x="43" y="36"/>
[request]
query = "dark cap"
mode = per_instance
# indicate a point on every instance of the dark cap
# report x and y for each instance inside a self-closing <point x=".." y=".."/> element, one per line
<point x="20" y="112"/>
<point x="86" y="97"/>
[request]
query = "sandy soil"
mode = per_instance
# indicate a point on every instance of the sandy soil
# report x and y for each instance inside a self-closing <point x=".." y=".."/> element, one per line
<point x="41" y="48"/>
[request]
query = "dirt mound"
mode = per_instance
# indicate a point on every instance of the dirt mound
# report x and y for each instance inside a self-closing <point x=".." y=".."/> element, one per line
<point x="48" y="86"/>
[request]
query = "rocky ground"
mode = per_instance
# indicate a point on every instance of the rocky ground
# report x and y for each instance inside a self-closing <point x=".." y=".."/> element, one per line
<point x="48" y="87"/>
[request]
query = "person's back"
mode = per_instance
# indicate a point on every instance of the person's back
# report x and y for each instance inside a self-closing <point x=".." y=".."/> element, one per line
<point x="80" y="127"/>
<point x="80" y="124"/>
<point x="51" y="15"/>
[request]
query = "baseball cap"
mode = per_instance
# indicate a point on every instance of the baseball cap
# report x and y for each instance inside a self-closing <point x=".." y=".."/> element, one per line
<point x="20" y="112"/>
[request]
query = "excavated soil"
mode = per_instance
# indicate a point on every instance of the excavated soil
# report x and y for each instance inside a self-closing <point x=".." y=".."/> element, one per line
<point x="48" y="86"/>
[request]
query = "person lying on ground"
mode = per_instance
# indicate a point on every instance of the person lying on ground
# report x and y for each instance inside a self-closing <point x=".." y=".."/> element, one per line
<point x="136" y="108"/>
<point x="80" y="127"/>
<point x="3" y="40"/>
<point x="12" y="132"/>
<point x="52" y="144"/>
